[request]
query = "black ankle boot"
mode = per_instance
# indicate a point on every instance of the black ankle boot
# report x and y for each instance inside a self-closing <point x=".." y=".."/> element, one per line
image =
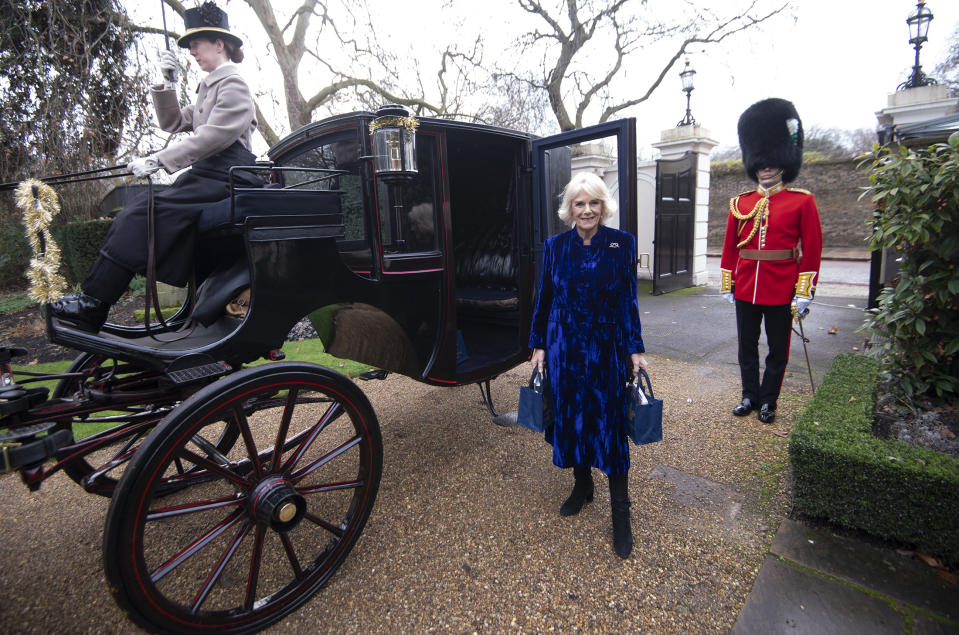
<point x="83" y="311"/>
<point x="582" y="492"/>
<point x="619" y="504"/>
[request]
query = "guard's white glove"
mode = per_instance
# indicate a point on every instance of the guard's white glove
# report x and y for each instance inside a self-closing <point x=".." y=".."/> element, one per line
<point x="168" y="68"/>
<point x="729" y="297"/>
<point x="144" y="166"/>
<point x="802" y="306"/>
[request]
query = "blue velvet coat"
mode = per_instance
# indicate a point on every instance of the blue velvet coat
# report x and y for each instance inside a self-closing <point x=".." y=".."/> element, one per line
<point x="587" y="320"/>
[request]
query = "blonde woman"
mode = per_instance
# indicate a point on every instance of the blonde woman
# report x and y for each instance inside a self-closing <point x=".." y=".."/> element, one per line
<point x="586" y="336"/>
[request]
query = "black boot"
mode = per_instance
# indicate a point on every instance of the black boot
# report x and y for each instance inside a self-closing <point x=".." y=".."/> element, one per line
<point x="619" y="503"/>
<point x="582" y="492"/>
<point x="102" y="288"/>
<point x="83" y="311"/>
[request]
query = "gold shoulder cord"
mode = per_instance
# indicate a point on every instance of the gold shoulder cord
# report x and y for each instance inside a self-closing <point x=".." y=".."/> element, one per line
<point x="759" y="211"/>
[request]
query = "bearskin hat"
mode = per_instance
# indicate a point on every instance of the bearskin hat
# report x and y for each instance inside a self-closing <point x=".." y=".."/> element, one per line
<point x="771" y="136"/>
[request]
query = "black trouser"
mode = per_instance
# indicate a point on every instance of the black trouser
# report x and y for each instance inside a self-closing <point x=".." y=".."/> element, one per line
<point x="778" y="319"/>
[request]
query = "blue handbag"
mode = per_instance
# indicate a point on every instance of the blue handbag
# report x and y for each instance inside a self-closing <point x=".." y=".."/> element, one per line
<point x="535" y="404"/>
<point x="645" y="412"/>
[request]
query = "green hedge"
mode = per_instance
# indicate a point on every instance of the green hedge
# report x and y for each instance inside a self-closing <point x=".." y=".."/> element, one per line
<point x="14" y="256"/>
<point x="79" y="245"/>
<point x="843" y="473"/>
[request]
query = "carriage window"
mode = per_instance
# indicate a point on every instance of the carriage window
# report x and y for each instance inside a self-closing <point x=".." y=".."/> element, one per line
<point x="341" y="152"/>
<point x="407" y="211"/>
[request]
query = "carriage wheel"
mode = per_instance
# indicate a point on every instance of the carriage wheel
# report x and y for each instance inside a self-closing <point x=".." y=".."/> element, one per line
<point x="257" y="530"/>
<point x="100" y="469"/>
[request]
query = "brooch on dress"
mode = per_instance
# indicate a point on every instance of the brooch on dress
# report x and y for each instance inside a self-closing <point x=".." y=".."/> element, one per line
<point x="616" y="245"/>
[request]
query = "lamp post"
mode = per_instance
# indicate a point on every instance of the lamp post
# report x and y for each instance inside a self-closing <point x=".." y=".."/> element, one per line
<point x="686" y="76"/>
<point x="918" y="24"/>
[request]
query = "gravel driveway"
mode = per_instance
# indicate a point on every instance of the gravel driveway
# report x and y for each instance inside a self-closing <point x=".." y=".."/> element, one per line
<point x="466" y="536"/>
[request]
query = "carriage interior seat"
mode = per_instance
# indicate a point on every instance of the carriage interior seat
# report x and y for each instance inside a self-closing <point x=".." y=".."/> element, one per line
<point x="483" y="172"/>
<point x="486" y="269"/>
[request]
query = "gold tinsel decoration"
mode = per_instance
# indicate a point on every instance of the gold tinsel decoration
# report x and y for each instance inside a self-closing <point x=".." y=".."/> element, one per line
<point x="38" y="203"/>
<point x="410" y="123"/>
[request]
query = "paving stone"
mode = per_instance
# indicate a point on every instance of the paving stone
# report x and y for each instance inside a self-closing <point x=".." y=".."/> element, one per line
<point x="702" y="493"/>
<point x="881" y="570"/>
<point x="786" y="599"/>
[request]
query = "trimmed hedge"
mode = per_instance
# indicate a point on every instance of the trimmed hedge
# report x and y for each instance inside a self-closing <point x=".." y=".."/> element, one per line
<point x="845" y="474"/>
<point x="79" y="245"/>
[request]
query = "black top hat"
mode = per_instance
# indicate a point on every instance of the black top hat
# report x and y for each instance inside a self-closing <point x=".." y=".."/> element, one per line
<point x="771" y="136"/>
<point x="209" y="20"/>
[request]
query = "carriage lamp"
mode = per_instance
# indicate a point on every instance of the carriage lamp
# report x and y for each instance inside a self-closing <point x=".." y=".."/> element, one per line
<point x="686" y="76"/>
<point x="394" y="144"/>
<point x="918" y="24"/>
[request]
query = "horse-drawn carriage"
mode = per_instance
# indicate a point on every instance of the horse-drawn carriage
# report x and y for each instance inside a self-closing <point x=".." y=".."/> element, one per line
<point x="237" y="489"/>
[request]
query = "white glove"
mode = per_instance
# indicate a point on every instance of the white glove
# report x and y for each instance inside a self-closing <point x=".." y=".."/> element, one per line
<point x="729" y="297"/>
<point x="144" y="166"/>
<point x="802" y="306"/>
<point x="168" y="68"/>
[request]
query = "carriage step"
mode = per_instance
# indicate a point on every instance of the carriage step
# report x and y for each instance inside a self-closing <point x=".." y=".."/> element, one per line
<point x="21" y="446"/>
<point x="197" y="373"/>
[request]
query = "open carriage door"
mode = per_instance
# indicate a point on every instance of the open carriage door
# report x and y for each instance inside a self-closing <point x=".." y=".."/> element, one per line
<point x="552" y="161"/>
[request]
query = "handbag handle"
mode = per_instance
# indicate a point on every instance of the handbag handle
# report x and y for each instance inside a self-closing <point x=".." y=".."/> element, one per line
<point x="532" y="379"/>
<point x="638" y="382"/>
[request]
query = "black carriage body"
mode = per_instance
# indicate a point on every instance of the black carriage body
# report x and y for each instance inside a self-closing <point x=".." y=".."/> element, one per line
<point x="444" y="266"/>
<point x="433" y="277"/>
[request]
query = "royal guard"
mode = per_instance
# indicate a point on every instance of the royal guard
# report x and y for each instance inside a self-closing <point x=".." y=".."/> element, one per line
<point x="772" y="249"/>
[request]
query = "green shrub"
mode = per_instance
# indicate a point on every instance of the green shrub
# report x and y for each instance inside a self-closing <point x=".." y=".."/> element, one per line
<point x="79" y="245"/>
<point x="845" y="474"/>
<point x="14" y="256"/>
<point x="917" y="322"/>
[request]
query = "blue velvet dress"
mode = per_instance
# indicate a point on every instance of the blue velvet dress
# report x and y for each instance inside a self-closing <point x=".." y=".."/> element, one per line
<point x="587" y="320"/>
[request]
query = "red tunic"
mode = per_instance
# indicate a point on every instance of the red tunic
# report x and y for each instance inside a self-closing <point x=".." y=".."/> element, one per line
<point x="791" y="219"/>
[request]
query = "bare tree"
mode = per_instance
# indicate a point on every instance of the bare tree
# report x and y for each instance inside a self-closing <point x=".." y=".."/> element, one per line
<point x="584" y="46"/>
<point x="355" y="70"/>
<point x="947" y="71"/>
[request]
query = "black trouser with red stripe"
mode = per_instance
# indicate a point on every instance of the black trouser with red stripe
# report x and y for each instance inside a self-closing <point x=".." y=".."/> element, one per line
<point x="778" y="318"/>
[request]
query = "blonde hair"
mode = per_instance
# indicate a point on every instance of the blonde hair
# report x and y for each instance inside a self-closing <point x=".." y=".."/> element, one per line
<point x="591" y="185"/>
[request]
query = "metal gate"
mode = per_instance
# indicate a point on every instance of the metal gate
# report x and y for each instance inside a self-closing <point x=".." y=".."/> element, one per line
<point x="674" y="218"/>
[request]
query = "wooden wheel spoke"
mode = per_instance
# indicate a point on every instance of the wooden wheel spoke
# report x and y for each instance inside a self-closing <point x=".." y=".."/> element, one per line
<point x="254" y="576"/>
<point x="334" y="411"/>
<point x="210" y="449"/>
<point x="241" y="421"/>
<point x="192" y="508"/>
<point x="336" y="530"/>
<point x="291" y="555"/>
<point x="284" y="427"/>
<point x="198" y="544"/>
<point x="220" y="565"/>
<point x="202" y="461"/>
<point x="323" y="460"/>
<point x="330" y="487"/>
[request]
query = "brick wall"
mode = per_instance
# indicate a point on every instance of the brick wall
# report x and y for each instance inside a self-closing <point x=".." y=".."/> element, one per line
<point x="835" y="184"/>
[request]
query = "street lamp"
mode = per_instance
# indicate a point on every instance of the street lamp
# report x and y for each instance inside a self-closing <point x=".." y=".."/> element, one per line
<point x="918" y="24"/>
<point x="687" y="78"/>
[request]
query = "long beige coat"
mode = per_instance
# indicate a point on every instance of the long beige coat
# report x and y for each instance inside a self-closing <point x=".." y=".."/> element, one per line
<point x="223" y="113"/>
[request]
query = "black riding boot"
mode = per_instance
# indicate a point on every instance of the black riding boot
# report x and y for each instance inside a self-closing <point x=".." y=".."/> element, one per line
<point x="102" y="288"/>
<point x="582" y="492"/>
<point x="619" y="502"/>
